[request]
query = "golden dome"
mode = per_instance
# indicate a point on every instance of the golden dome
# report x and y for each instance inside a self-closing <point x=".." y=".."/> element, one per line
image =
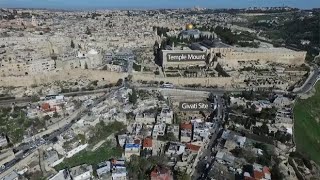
<point x="189" y="26"/>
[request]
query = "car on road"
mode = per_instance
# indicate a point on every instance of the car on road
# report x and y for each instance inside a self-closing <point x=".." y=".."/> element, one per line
<point x="26" y="154"/>
<point x="167" y="85"/>
<point x="207" y="166"/>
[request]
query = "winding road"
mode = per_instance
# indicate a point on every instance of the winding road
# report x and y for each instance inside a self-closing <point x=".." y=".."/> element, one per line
<point x="310" y="82"/>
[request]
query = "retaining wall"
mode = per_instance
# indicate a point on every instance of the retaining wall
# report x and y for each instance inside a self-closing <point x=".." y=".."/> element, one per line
<point x="50" y="77"/>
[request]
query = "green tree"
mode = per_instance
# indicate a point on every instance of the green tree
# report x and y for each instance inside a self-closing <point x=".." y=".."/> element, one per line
<point x="129" y="78"/>
<point x="95" y="83"/>
<point x="264" y="129"/>
<point x="226" y="97"/>
<point x="133" y="165"/>
<point x="35" y="98"/>
<point x="55" y="115"/>
<point x="17" y="135"/>
<point x="179" y="175"/>
<point x="88" y="31"/>
<point x="130" y="116"/>
<point x="46" y="117"/>
<point x="168" y="137"/>
<point x="82" y="138"/>
<point x="72" y="44"/>
<point x="140" y="167"/>
<point x="102" y="131"/>
<point x="136" y="67"/>
<point x="133" y="97"/>
<point x="119" y="82"/>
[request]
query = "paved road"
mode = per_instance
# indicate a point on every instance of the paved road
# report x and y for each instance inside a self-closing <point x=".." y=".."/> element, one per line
<point x="19" y="163"/>
<point x="208" y="90"/>
<point x="25" y="100"/>
<point x="8" y="102"/>
<point x="310" y="82"/>
<point x="211" y="151"/>
<point x="206" y="159"/>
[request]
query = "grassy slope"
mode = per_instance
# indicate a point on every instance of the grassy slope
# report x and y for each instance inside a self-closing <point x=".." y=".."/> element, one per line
<point x="93" y="158"/>
<point x="307" y="126"/>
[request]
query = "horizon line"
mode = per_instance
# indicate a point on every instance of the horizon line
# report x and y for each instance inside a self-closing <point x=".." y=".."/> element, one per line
<point x="149" y="8"/>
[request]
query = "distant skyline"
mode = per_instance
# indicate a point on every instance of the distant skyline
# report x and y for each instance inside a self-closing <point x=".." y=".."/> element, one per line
<point x="105" y="4"/>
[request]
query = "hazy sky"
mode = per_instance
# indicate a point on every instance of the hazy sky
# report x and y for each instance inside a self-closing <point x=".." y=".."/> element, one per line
<point x="156" y="3"/>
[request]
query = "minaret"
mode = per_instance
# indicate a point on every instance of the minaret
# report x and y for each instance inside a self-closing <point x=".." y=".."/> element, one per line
<point x="156" y="32"/>
<point x="211" y="55"/>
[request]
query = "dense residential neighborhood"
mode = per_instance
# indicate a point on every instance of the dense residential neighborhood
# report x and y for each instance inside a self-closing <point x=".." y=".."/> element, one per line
<point x="160" y="94"/>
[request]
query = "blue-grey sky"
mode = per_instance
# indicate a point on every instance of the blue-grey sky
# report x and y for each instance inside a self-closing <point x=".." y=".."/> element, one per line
<point x="74" y="4"/>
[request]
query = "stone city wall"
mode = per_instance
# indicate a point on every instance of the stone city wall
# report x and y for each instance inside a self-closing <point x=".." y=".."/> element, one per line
<point x="232" y="56"/>
<point x="212" y="81"/>
<point x="50" y="77"/>
<point x="112" y="77"/>
<point x="294" y="58"/>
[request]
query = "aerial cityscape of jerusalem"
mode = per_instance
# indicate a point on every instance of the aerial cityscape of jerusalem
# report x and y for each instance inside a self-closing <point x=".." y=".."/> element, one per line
<point x="165" y="90"/>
